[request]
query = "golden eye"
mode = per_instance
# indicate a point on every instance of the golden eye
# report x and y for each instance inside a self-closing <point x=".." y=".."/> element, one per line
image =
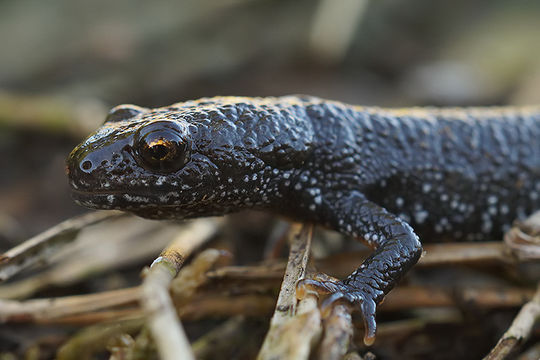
<point x="163" y="147"/>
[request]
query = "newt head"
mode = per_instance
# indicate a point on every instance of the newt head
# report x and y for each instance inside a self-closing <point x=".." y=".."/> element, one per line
<point x="196" y="158"/>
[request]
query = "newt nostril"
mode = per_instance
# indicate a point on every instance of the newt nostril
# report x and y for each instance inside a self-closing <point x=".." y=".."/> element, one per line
<point x="86" y="165"/>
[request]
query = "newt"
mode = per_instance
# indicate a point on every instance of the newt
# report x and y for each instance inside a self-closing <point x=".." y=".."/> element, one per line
<point x="385" y="176"/>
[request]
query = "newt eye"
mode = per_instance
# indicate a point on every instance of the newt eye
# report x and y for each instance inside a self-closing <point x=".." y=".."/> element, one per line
<point x="162" y="146"/>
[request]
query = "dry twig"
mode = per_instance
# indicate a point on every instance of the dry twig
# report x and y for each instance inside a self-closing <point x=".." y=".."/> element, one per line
<point x="39" y="248"/>
<point x="162" y="320"/>
<point x="57" y="309"/>
<point x="293" y="327"/>
<point x="519" y="331"/>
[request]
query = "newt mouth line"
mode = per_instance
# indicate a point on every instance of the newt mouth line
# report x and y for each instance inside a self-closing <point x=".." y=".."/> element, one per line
<point x="114" y="192"/>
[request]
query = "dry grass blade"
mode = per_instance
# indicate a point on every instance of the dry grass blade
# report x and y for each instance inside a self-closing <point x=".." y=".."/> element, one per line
<point x="39" y="248"/>
<point x="162" y="319"/>
<point x="214" y="305"/>
<point x="465" y="253"/>
<point x="410" y="297"/>
<point x="293" y="328"/>
<point x="56" y="309"/>
<point x="519" y="331"/>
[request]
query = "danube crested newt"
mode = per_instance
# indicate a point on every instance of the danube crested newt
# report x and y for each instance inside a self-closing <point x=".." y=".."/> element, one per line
<point x="385" y="176"/>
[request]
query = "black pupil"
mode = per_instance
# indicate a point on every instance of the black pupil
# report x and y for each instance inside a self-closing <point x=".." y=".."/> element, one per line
<point x="159" y="151"/>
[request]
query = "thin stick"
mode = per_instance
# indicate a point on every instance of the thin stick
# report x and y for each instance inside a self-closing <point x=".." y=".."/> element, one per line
<point x="163" y="321"/>
<point x="39" y="248"/>
<point x="293" y="328"/>
<point x="519" y="331"/>
<point x="50" y="310"/>
<point x="408" y="297"/>
<point x="465" y="253"/>
<point x="81" y="309"/>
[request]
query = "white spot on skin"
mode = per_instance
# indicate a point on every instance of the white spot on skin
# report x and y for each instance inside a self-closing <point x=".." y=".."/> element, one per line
<point x="420" y="216"/>
<point x="399" y="201"/>
<point x="426" y="188"/>
<point x="492" y="199"/>
<point x="318" y="200"/>
<point x="160" y="180"/>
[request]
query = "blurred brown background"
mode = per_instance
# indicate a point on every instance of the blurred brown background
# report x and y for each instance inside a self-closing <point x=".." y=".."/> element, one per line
<point x="63" y="63"/>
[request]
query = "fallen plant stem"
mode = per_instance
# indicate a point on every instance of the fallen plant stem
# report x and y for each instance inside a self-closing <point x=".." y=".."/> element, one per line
<point x="215" y="303"/>
<point x="519" y="331"/>
<point x="156" y="301"/>
<point x="39" y="248"/>
<point x="342" y="264"/>
<point x="52" y="310"/>
<point x="293" y="327"/>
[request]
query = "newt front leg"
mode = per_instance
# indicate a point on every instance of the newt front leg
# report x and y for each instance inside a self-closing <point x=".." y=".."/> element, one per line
<point x="397" y="249"/>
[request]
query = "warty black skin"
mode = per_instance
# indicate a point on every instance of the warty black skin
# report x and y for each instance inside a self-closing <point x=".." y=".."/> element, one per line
<point x="371" y="173"/>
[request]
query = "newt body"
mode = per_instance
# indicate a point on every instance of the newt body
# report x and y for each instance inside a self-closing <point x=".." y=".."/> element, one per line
<point x="371" y="173"/>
